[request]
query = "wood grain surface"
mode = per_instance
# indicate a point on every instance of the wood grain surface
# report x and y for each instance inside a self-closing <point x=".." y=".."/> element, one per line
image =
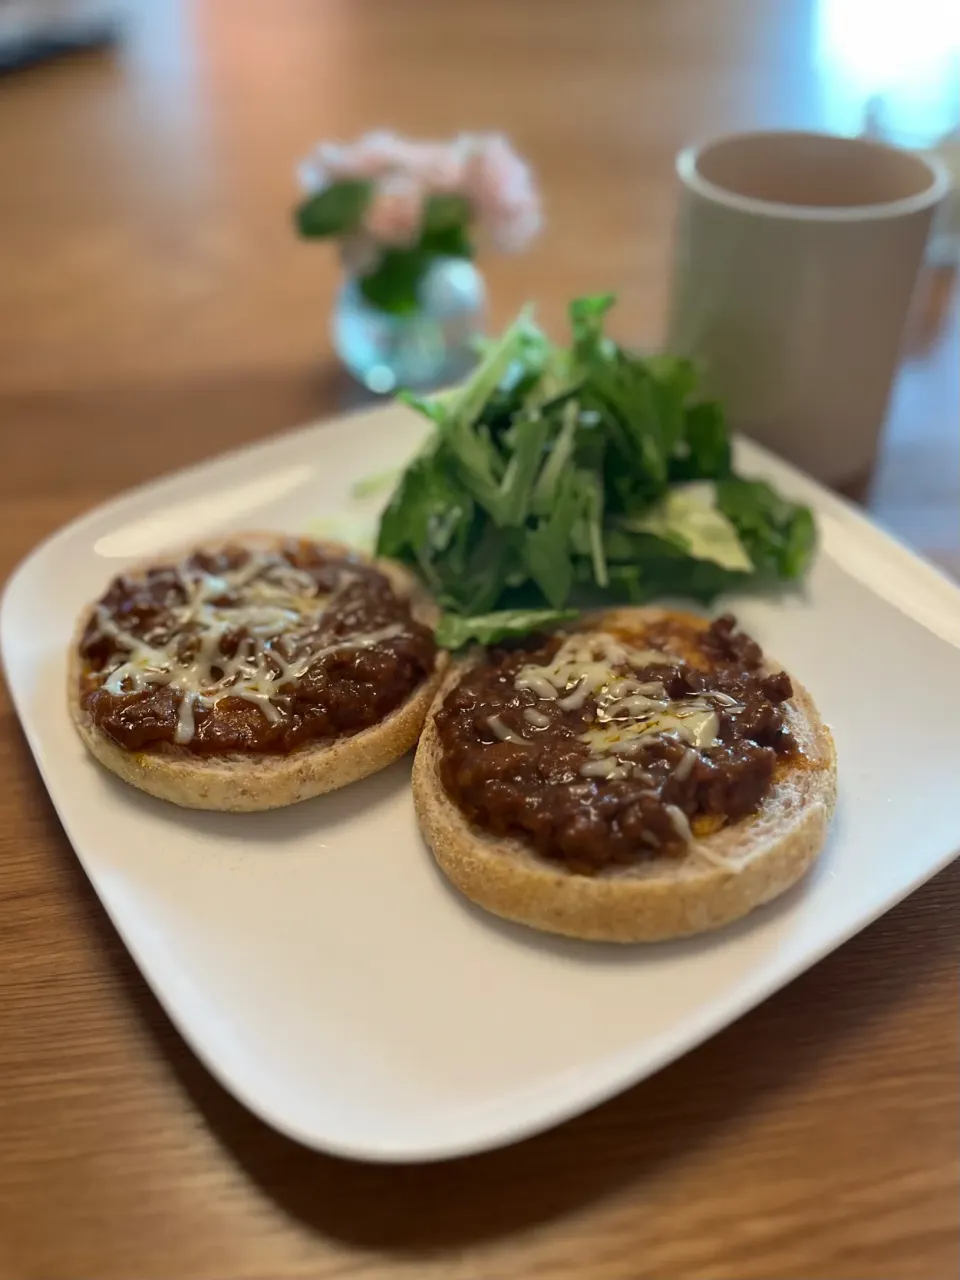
<point x="155" y="309"/>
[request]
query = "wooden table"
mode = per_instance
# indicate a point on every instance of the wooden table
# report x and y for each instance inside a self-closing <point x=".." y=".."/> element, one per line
<point x="156" y="310"/>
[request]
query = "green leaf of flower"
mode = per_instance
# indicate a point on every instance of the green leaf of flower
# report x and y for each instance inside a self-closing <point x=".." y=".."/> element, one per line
<point x="335" y="211"/>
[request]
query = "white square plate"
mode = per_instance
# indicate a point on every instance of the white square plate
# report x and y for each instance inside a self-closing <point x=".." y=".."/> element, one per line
<point x="320" y="965"/>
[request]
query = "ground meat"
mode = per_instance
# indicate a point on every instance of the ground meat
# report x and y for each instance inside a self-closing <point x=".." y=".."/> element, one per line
<point x="535" y="788"/>
<point x="339" y="694"/>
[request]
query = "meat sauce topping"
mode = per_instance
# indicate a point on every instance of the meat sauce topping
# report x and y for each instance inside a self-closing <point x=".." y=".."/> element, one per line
<point x="250" y="651"/>
<point x="601" y="749"/>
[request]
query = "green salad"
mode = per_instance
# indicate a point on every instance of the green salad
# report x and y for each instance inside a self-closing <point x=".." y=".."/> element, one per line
<point x="563" y="478"/>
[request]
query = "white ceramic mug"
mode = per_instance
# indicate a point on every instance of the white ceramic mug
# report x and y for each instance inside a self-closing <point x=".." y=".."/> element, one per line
<point x="796" y="258"/>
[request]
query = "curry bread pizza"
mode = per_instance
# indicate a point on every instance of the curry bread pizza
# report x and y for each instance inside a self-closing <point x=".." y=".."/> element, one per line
<point x="254" y="672"/>
<point x="643" y="775"/>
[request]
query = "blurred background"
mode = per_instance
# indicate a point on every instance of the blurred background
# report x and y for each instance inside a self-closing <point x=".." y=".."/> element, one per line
<point x="157" y="308"/>
<point x="153" y="292"/>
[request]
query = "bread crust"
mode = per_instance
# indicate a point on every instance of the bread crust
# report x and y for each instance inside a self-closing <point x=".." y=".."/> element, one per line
<point x="661" y="897"/>
<point x="246" y="782"/>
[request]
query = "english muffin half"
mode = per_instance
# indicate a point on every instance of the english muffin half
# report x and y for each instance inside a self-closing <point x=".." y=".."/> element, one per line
<point x="254" y="671"/>
<point x="647" y="775"/>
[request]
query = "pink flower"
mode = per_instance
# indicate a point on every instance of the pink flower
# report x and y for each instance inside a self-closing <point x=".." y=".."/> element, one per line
<point x="514" y="229"/>
<point x="374" y="155"/>
<point x="482" y="168"/>
<point x="494" y="170"/>
<point x="394" y="213"/>
<point x="501" y="187"/>
<point x="439" y="166"/>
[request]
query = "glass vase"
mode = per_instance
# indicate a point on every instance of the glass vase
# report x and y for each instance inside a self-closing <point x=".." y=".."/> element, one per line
<point x="424" y="348"/>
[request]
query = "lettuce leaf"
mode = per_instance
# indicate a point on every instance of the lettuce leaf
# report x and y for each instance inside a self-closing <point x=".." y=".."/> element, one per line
<point x="688" y="516"/>
<point x="563" y="477"/>
<point x="454" y="631"/>
<point x="780" y="536"/>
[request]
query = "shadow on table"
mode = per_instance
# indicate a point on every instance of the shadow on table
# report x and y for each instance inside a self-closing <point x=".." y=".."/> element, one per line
<point x="423" y="1209"/>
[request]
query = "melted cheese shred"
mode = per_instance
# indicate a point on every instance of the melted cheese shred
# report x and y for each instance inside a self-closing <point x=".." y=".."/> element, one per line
<point x="584" y="665"/>
<point x="276" y="601"/>
<point x="630" y="711"/>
